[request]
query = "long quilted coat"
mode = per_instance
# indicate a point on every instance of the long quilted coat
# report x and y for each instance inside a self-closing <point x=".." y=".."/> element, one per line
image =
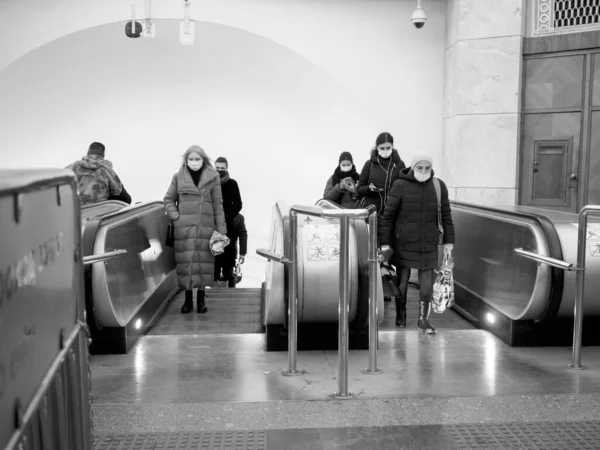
<point x="409" y="222"/>
<point x="196" y="215"/>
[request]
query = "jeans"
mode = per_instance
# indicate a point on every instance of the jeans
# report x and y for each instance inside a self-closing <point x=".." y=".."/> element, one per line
<point x="425" y="282"/>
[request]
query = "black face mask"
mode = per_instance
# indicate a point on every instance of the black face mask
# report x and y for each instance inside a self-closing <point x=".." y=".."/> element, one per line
<point x="222" y="173"/>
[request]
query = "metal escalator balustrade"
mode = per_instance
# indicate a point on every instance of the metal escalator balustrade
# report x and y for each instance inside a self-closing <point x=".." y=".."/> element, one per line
<point x="518" y="299"/>
<point x="126" y="293"/>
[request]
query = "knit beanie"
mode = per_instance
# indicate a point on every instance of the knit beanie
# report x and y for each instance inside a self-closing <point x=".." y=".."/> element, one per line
<point x="96" y="148"/>
<point x="346" y="156"/>
<point x="383" y="138"/>
<point x="420" y="156"/>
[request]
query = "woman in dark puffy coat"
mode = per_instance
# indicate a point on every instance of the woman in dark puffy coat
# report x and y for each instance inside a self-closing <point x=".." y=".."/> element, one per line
<point x="410" y="225"/>
<point x="341" y="186"/>
<point x="379" y="172"/>
<point x="195" y="205"/>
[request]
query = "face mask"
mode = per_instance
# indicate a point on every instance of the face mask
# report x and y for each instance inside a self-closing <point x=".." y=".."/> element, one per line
<point x="346" y="168"/>
<point x="385" y="154"/>
<point x="422" y="176"/>
<point x="222" y="173"/>
<point x="195" y="166"/>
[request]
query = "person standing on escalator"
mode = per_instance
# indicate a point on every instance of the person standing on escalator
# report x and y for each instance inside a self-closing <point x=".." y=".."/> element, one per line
<point x="411" y="226"/>
<point x="195" y="205"/>
<point x="379" y="172"/>
<point x="232" y="205"/>
<point x="341" y="186"/>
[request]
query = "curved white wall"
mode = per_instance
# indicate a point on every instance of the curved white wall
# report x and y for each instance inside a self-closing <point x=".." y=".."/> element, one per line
<point x="328" y="77"/>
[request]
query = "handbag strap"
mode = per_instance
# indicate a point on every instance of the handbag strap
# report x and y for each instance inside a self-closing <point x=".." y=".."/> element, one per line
<point x="438" y="193"/>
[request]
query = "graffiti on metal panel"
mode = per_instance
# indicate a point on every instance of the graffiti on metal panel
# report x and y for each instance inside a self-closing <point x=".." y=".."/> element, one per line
<point x="592" y="238"/>
<point x="323" y="242"/>
<point x="23" y="272"/>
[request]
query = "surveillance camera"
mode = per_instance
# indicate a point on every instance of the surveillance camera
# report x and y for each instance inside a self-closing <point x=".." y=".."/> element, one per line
<point x="418" y="17"/>
<point x="133" y="32"/>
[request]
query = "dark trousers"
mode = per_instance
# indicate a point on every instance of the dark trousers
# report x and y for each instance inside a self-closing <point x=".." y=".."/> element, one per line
<point x="225" y="262"/>
<point x="425" y="282"/>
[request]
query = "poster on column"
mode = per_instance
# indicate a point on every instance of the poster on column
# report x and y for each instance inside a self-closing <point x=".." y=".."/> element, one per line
<point x="592" y="239"/>
<point x="323" y="242"/>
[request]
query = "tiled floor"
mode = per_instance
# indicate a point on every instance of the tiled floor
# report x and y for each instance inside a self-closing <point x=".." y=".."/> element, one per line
<point x="223" y="382"/>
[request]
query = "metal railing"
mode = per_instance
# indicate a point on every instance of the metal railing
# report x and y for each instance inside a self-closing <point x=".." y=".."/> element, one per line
<point x="579" y="269"/>
<point x="343" y="327"/>
<point x="91" y="259"/>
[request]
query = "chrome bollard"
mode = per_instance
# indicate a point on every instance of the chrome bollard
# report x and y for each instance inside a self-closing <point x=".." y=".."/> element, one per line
<point x="373" y="325"/>
<point x="292" y="262"/>
<point x="344" y="305"/>
<point x="580" y="286"/>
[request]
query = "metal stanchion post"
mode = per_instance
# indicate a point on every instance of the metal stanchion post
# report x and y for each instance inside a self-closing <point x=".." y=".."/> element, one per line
<point x="343" y="309"/>
<point x="373" y="325"/>
<point x="293" y="297"/>
<point x="579" y="289"/>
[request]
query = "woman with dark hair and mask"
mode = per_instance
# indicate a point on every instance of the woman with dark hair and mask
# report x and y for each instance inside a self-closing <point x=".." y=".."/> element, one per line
<point x="341" y="186"/>
<point x="379" y="172"/>
<point x="195" y="205"/>
<point x="411" y="225"/>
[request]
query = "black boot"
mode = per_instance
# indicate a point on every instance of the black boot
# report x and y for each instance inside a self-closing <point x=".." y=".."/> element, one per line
<point x="188" y="305"/>
<point x="423" y="324"/>
<point x="400" y="312"/>
<point x="200" y="302"/>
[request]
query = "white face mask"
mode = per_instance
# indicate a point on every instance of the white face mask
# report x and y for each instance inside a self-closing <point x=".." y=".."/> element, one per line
<point x="385" y="153"/>
<point x="195" y="166"/>
<point x="422" y="177"/>
<point x="346" y="168"/>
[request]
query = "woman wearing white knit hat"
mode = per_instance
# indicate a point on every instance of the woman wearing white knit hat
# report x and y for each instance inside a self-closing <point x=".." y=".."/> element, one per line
<point x="410" y="226"/>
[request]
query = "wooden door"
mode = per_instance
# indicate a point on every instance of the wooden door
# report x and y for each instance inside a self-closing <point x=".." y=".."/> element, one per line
<point x="549" y="170"/>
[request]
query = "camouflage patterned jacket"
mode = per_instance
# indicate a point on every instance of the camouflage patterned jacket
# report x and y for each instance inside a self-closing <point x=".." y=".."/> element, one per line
<point x="96" y="180"/>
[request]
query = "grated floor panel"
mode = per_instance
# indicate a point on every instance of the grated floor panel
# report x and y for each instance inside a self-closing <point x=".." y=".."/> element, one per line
<point x="217" y="440"/>
<point x="535" y="436"/>
<point x="544" y="435"/>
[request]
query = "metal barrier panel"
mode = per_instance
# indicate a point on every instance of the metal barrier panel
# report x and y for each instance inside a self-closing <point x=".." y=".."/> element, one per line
<point x="44" y="367"/>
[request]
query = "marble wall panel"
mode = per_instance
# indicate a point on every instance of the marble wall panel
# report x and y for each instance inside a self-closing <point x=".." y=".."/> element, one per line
<point x="478" y="19"/>
<point x="482" y="76"/>
<point x="480" y="151"/>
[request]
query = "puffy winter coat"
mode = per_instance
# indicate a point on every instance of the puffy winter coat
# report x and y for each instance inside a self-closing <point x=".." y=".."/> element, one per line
<point x="382" y="173"/>
<point x="196" y="211"/>
<point x="335" y="194"/>
<point x="410" y="222"/>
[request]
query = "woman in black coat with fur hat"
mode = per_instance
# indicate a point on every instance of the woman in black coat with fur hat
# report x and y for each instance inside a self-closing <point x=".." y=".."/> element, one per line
<point x="379" y="173"/>
<point x="410" y="225"/>
<point x="341" y="186"/>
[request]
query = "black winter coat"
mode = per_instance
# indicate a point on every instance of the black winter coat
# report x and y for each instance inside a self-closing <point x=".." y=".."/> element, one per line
<point x="410" y="222"/>
<point x="232" y="200"/>
<point x="382" y="173"/>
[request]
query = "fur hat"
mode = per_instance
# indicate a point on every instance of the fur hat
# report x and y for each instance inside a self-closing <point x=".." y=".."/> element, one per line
<point x="420" y="156"/>
<point x="383" y="138"/>
<point x="346" y="156"/>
